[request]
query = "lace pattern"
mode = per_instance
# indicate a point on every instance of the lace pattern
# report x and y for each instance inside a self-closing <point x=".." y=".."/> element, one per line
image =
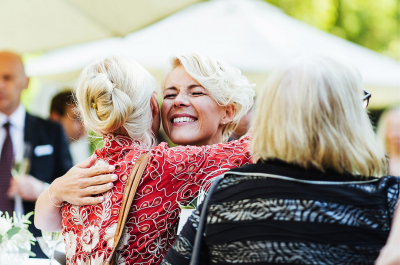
<point x="172" y="175"/>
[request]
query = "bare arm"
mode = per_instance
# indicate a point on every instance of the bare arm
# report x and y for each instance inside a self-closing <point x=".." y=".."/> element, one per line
<point x="390" y="253"/>
<point x="75" y="187"/>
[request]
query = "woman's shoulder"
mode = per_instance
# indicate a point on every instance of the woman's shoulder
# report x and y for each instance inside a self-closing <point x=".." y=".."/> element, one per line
<point x="162" y="153"/>
<point x="284" y="179"/>
<point x="242" y="145"/>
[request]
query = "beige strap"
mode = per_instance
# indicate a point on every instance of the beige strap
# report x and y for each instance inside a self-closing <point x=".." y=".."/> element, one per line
<point x="129" y="195"/>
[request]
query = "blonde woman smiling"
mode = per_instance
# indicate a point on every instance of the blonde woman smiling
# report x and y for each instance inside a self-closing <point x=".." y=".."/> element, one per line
<point x="116" y="99"/>
<point x="196" y="93"/>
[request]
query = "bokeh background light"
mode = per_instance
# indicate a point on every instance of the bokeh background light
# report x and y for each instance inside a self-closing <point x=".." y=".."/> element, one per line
<point x="57" y="38"/>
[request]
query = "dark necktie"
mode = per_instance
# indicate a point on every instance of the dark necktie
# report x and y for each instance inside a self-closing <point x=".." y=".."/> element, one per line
<point x="6" y="159"/>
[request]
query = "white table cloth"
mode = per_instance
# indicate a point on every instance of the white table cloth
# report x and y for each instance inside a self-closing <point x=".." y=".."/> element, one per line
<point x="40" y="262"/>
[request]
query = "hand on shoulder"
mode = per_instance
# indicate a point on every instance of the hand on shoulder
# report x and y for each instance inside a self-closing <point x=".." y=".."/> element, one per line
<point x="81" y="182"/>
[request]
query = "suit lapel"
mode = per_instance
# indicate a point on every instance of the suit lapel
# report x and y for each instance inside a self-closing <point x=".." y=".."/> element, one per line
<point x="29" y="130"/>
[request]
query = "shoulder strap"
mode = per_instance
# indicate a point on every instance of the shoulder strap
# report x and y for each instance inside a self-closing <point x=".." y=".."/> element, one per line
<point x="129" y="194"/>
<point x="195" y="259"/>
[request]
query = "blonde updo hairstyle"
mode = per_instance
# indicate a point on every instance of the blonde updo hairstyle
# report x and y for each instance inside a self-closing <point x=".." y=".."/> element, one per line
<point x="310" y="113"/>
<point x="225" y="83"/>
<point x="115" y="93"/>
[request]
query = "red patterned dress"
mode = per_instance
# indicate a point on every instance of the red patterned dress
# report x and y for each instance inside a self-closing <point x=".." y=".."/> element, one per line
<point x="173" y="175"/>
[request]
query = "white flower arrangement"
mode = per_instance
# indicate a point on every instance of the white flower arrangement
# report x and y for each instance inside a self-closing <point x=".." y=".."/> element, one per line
<point x="14" y="231"/>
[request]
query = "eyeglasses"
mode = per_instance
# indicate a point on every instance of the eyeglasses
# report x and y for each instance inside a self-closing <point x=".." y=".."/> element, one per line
<point x="366" y="98"/>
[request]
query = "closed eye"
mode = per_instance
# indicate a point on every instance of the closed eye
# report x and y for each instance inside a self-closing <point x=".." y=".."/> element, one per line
<point x="169" y="96"/>
<point x="198" y="94"/>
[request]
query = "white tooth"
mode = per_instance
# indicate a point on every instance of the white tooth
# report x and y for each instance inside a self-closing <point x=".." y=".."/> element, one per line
<point x="183" y="119"/>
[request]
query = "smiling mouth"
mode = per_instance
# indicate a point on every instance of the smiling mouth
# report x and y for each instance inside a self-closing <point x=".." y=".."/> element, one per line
<point x="183" y="120"/>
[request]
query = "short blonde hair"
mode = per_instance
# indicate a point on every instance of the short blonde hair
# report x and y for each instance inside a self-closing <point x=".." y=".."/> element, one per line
<point x="225" y="83"/>
<point x="311" y="114"/>
<point x="384" y="123"/>
<point x="115" y="93"/>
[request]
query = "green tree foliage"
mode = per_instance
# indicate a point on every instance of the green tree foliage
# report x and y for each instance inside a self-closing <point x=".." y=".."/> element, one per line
<point x="371" y="23"/>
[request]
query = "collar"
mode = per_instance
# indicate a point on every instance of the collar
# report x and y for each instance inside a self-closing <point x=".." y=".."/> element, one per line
<point x="113" y="142"/>
<point x="17" y="118"/>
<point x="279" y="167"/>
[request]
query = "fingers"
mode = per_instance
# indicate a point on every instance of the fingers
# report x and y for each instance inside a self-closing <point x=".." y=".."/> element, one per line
<point x="83" y="181"/>
<point x="101" y="179"/>
<point x="98" y="170"/>
<point x="98" y="189"/>
<point x="88" y="193"/>
<point x="89" y="200"/>
<point x="91" y="176"/>
<point x="88" y="162"/>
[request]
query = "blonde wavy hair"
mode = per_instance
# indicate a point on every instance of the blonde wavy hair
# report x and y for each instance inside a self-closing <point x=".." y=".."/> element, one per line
<point x="115" y="93"/>
<point x="226" y="84"/>
<point x="310" y="113"/>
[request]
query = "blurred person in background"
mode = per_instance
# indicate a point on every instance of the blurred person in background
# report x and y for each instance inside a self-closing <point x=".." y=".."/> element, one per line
<point x="243" y="126"/>
<point x="62" y="110"/>
<point x="389" y="133"/>
<point x="49" y="157"/>
<point x="318" y="191"/>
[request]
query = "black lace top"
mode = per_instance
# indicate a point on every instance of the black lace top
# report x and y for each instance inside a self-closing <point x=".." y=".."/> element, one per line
<point x="277" y="213"/>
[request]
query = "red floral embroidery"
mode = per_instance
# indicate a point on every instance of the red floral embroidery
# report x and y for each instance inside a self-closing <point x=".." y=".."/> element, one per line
<point x="173" y="175"/>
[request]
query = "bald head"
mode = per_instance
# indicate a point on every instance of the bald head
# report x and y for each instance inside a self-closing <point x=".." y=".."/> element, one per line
<point x="14" y="59"/>
<point x="13" y="81"/>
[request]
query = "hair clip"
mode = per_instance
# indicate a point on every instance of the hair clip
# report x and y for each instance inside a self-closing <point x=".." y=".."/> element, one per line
<point x="94" y="105"/>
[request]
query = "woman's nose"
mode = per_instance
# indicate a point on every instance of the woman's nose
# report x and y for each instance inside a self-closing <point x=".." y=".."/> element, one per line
<point x="181" y="100"/>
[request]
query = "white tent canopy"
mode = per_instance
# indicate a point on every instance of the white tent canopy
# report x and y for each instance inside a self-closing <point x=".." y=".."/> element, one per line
<point x="40" y="25"/>
<point x="249" y="34"/>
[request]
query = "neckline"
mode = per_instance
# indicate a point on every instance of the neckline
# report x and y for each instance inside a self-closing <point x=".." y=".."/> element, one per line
<point x="118" y="140"/>
<point x="279" y="167"/>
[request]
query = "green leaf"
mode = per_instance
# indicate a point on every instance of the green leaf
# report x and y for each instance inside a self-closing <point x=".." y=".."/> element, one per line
<point x="189" y="206"/>
<point x="1" y="238"/>
<point x="13" y="231"/>
<point x="28" y="215"/>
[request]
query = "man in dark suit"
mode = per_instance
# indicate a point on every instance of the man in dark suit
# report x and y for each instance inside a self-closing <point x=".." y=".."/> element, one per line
<point x="50" y="157"/>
